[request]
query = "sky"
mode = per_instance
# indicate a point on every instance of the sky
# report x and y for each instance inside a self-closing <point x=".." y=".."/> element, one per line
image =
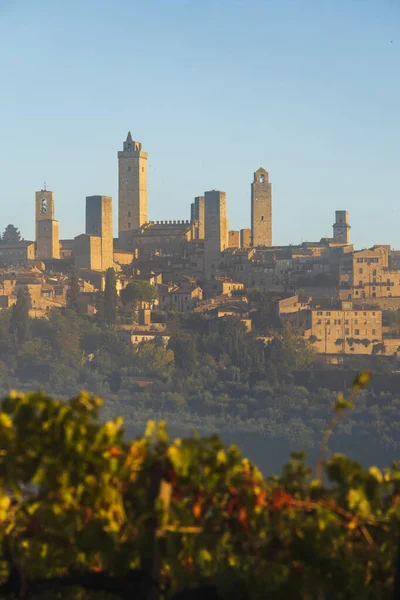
<point x="214" y="89"/>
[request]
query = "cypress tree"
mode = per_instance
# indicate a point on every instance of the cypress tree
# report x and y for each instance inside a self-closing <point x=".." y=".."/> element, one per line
<point x="73" y="291"/>
<point x="19" y="321"/>
<point x="110" y="297"/>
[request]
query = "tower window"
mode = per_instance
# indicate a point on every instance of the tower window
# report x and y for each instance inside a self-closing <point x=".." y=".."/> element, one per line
<point x="262" y="178"/>
<point x="44" y="206"/>
<point x="262" y="218"/>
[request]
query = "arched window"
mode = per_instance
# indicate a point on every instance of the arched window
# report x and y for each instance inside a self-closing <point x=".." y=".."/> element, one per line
<point x="262" y="178"/>
<point x="44" y="206"/>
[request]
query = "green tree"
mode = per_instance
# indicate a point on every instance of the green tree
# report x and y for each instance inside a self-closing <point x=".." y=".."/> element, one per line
<point x="137" y="292"/>
<point x="19" y="321"/>
<point x="183" y="346"/>
<point x="11" y="235"/>
<point x="73" y="291"/>
<point x="110" y="297"/>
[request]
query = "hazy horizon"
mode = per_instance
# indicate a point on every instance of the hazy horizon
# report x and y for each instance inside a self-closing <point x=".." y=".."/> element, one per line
<point x="213" y="90"/>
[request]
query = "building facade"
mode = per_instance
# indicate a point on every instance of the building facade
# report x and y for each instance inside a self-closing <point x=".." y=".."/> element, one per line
<point x="99" y="224"/>
<point x="261" y="209"/>
<point x="132" y="186"/>
<point x="215" y="230"/>
<point x="197" y="216"/>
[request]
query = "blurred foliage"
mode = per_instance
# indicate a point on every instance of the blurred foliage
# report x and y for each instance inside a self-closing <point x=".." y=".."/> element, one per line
<point x="80" y="504"/>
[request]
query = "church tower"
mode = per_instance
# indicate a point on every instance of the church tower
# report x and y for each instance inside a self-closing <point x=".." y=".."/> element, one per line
<point x="132" y="186"/>
<point x="341" y="227"/>
<point x="261" y="209"/>
<point x="47" y="228"/>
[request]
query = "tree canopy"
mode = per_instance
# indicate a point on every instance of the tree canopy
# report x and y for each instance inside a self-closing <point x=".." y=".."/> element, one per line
<point x="11" y="235"/>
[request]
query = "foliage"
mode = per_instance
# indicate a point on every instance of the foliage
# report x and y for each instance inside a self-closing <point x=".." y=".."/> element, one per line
<point x="183" y="346"/>
<point x="19" y="320"/>
<point x="11" y="235"/>
<point x="137" y="292"/>
<point x="110" y="297"/>
<point x="73" y="291"/>
<point x="79" y="504"/>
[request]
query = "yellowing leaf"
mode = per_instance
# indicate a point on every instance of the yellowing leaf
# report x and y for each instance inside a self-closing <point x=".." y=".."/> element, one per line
<point x="376" y="473"/>
<point x="221" y="457"/>
<point x="358" y="502"/>
<point x="5" y="420"/>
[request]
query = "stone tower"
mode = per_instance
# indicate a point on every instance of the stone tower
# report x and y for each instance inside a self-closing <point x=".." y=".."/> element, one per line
<point x="132" y="186"/>
<point x="99" y="224"/>
<point x="197" y="215"/>
<point x="261" y="209"/>
<point x="46" y="227"/>
<point x="215" y="231"/>
<point x="341" y="227"/>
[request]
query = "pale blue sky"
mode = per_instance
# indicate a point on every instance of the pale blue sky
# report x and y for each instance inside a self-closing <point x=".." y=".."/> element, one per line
<point x="214" y="89"/>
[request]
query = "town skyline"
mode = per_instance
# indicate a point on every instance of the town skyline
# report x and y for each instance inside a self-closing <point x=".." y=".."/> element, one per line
<point x="217" y="91"/>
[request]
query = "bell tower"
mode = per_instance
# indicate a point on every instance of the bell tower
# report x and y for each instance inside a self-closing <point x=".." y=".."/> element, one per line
<point x="341" y="227"/>
<point x="132" y="185"/>
<point x="47" y="228"/>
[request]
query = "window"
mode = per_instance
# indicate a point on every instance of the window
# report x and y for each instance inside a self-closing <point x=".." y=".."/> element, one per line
<point x="339" y="322"/>
<point x="374" y="272"/>
<point x="360" y="271"/>
<point x="262" y="178"/>
<point x="346" y="322"/>
<point x="129" y="213"/>
<point x="262" y="218"/>
<point x="328" y="321"/>
<point x="359" y="260"/>
<point x="319" y="313"/>
<point x="373" y="314"/>
<point x="356" y="332"/>
<point x="388" y="289"/>
<point x="328" y="314"/>
<point x="356" y="321"/>
<point x="319" y="322"/>
<point x="374" y="332"/>
<point x="347" y="331"/>
<point x="365" y="314"/>
<point x="356" y="314"/>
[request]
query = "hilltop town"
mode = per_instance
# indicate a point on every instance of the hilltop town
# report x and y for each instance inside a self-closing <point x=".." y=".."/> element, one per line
<point x="340" y="299"/>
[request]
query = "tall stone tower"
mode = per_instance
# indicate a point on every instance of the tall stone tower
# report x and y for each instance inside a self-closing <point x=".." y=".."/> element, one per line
<point x="197" y="214"/>
<point x="261" y="209"/>
<point x="99" y="224"/>
<point x="47" y="228"/>
<point x="132" y="186"/>
<point x="215" y="231"/>
<point x="341" y="227"/>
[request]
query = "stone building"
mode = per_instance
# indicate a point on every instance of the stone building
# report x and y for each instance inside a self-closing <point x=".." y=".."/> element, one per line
<point x="93" y="250"/>
<point x="341" y="227"/>
<point x="261" y="209"/>
<point x="215" y="230"/>
<point x="233" y="239"/>
<point x="158" y="238"/>
<point x="197" y="216"/>
<point x="345" y="330"/>
<point x="365" y="275"/>
<point x="132" y="186"/>
<point x="47" y="228"/>
<point x="245" y="238"/>
<point x="17" y="253"/>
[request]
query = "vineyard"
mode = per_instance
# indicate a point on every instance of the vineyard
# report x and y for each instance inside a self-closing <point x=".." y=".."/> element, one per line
<point x="85" y="513"/>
